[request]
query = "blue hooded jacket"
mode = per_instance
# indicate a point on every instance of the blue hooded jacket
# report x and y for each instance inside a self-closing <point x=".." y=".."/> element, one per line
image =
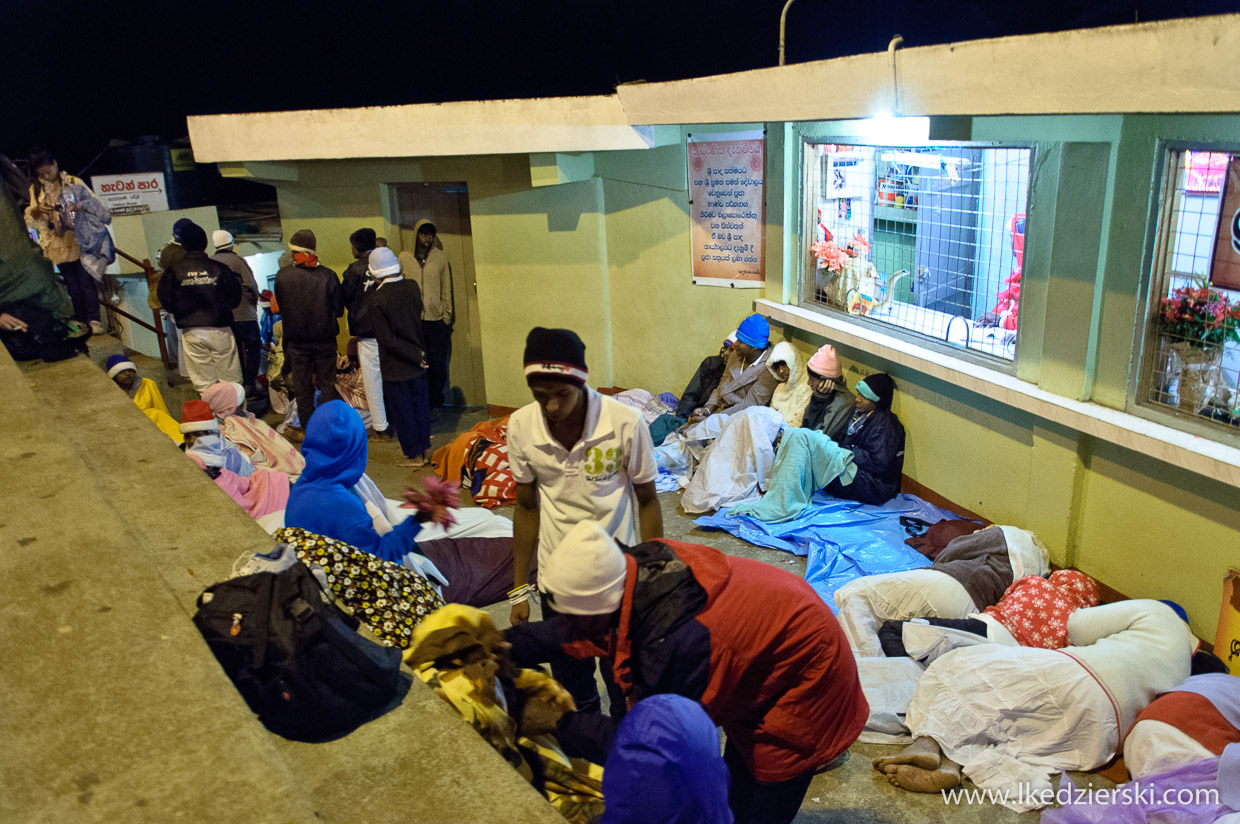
<point x="664" y="766"/>
<point x="322" y="501"/>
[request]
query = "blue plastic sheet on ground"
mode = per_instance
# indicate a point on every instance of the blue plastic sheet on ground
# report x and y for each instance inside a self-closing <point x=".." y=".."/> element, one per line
<point x="844" y="540"/>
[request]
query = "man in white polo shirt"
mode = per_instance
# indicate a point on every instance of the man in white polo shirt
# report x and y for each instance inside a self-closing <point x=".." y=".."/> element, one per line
<point x="575" y="456"/>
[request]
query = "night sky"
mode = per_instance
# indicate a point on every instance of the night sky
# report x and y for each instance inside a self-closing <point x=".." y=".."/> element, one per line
<point x="77" y="74"/>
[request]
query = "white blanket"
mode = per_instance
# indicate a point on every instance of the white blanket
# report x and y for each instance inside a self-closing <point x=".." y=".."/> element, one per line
<point x="737" y="466"/>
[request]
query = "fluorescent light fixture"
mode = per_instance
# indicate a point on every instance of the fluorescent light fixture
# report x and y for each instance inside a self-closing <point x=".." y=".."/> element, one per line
<point x="950" y="165"/>
<point x="887" y="128"/>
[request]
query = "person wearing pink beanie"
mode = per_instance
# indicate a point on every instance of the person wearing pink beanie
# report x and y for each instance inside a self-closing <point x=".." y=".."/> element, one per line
<point x="831" y="403"/>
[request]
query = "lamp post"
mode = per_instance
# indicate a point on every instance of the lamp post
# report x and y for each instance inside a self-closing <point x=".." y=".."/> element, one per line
<point x="783" y="25"/>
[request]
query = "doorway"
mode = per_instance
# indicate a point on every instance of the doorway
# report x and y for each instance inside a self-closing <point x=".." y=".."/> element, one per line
<point x="447" y="206"/>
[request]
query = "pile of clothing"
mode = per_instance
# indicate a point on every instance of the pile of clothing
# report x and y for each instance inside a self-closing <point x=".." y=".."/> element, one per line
<point x="478" y="460"/>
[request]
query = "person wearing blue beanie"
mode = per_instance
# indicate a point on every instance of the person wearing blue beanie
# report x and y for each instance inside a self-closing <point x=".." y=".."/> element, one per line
<point x="746" y="381"/>
<point x="754" y="331"/>
<point x="664" y="766"/>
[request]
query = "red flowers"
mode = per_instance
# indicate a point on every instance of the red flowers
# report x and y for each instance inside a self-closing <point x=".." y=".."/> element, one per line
<point x="1199" y="316"/>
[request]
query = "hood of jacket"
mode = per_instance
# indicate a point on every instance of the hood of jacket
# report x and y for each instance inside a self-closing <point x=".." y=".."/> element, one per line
<point x="335" y="446"/>
<point x="664" y="766"/>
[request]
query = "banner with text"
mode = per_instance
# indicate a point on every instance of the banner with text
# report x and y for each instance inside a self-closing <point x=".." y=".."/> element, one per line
<point x="132" y="194"/>
<point x="727" y="219"/>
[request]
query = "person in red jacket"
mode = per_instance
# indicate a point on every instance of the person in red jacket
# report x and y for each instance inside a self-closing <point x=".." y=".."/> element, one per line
<point x="754" y="644"/>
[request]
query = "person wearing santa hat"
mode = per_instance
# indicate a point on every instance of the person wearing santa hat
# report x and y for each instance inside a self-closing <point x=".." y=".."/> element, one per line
<point x="203" y="443"/>
<point x="754" y="644"/>
<point x="245" y="315"/>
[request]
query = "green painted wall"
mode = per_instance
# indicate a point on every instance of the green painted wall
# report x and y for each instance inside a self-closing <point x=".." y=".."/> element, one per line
<point x="1144" y="527"/>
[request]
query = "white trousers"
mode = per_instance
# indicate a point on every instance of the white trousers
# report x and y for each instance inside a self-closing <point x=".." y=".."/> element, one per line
<point x="372" y="379"/>
<point x="210" y="355"/>
<point x="864" y="604"/>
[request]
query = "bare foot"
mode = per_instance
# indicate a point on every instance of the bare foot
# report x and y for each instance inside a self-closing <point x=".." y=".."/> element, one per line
<point x="923" y="753"/>
<point x="924" y="781"/>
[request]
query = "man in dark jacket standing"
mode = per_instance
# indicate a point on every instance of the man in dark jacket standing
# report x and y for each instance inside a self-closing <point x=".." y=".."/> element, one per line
<point x="395" y="307"/>
<point x="357" y="285"/>
<point x="245" y="316"/>
<point x="201" y="293"/>
<point x="311" y="302"/>
<point x="755" y="645"/>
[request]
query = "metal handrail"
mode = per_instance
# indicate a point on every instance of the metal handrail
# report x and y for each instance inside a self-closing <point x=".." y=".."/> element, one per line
<point x="158" y="327"/>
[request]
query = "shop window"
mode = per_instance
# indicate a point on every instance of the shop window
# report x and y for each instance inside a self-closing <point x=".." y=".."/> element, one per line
<point x="928" y="239"/>
<point x="1192" y="363"/>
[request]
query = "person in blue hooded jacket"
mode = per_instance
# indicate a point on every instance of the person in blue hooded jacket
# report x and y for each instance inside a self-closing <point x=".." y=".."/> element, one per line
<point x="664" y="766"/>
<point x="479" y="570"/>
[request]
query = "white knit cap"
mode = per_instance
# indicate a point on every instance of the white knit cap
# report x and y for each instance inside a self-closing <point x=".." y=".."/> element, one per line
<point x="221" y="239"/>
<point x="383" y="263"/>
<point x="120" y="366"/>
<point x="585" y="573"/>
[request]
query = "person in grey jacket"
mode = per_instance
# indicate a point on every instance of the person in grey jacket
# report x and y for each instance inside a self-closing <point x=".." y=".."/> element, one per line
<point x="245" y="316"/>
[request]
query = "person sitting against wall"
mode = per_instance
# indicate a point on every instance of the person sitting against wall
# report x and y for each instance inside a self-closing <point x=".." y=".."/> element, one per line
<point x="702" y="385"/>
<point x="864" y="465"/>
<point x="144" y="393"/>
<point x="875" y="437"/>
<point x="830" y="403"/>
<point x="746" y="381"/>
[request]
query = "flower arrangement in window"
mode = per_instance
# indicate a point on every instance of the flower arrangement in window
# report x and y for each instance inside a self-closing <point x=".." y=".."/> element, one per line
<point x="833" y="257"/>
<point x="1200" y="317"/>
<point x="1197" y="322"/>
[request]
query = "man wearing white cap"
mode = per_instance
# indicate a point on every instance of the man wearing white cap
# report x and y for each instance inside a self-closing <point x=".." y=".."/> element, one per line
<point x="754" y="644"/>
<point x="245" y="314"/>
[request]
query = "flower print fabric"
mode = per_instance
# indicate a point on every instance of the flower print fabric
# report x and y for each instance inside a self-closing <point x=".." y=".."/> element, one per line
<point x="1035" y="609"/>
<point x="387" y="597"/>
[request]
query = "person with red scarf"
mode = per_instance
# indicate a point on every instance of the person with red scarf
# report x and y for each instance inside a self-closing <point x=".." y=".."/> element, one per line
<point x="311" y="302"/>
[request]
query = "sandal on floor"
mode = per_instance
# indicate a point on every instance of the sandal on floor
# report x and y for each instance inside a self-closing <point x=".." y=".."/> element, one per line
<point x="416" y="463"/>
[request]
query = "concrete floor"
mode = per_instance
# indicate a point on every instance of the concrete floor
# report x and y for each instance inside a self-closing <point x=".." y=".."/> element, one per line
<point x="852" y="793"/>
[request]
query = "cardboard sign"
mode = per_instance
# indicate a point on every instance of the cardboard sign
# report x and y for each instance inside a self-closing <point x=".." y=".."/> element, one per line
<point x="132" y="194"/>
<point x="1227" y="639"/>
<point x="727" y="221"/>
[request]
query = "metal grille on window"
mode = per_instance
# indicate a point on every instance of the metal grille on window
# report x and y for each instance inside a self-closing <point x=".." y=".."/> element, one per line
<point x="929" y="239"/>
<point x="1193" y="362"/>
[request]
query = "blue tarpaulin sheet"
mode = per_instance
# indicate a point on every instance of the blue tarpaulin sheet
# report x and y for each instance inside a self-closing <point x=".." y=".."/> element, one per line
<point x="843" y="540"/>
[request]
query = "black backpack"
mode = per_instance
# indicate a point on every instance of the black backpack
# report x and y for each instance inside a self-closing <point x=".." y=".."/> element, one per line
<point x="296" y="659"/>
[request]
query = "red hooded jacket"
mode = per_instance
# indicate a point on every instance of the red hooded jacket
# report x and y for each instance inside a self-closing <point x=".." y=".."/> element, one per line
<point x="754" y="644"/>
